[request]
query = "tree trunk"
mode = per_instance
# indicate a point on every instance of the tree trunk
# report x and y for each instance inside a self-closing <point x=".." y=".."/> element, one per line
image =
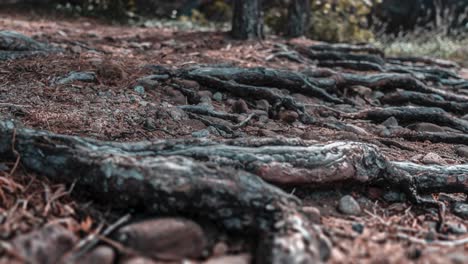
<point x="247" y="22"/>
<point x="299" y="18"/>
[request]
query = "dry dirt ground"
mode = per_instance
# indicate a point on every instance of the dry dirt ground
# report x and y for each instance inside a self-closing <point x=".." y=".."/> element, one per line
<point x="389" y="228"/>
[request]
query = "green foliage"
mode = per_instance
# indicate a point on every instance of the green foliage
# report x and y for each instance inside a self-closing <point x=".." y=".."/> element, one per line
<point x="115" y="9"/>
<point x="331" y="20"/>
<point x="341" y="21"/>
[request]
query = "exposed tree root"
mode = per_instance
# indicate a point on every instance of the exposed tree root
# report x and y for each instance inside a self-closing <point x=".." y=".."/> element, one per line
<point x="127" y="176"/>
<point x="292" y="81"/>
<point x="407" y="115"/>
<point x="14" y="46"/>
<point x="423" y="99"/>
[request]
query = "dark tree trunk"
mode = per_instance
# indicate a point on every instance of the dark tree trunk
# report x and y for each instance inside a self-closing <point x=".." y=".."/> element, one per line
<point x="247" y="22"/>
<point x="299" y="17"/>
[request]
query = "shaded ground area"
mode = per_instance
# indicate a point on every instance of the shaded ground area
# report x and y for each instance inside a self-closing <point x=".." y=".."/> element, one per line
<point x="117" y="101"/>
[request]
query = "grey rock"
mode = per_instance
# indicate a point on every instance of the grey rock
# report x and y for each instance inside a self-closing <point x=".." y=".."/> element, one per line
<point x="164" y="238"/>
<point x="358" y="227"/>
<point x="462" y="152"/>
<point x="139" y="89"/>
<point x="390" y="122"/>
<point x="313" y="213"/>
<point x="433" y="158"/>
<point x="262" y="105"/>
<point x="458" y="257"/>
<point x="240" y="107"/>
<point x="78" y="76"/>
<point x="150" y="124"/>
<point x="218" y="96"/>
<point x="101" y="255"/>
<point x="349" y="206"/>
<point x="456" y="228"/>
<point x="288" y="116"/>
<point x="47" y="245"/>
<point x="201" y="133"/>
<point x="461" y="210"/>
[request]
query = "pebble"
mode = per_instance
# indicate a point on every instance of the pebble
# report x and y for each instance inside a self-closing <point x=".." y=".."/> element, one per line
<point x="313" y="213"/>
<point x="349" y="206"/>
<point x="240" y="107"/>
<point x="164" y="238"/>
<point x="390" y="122"/>
<point x="201" y="133"/>
<point x="462" y="152"/>
<point x="456" y="228"/>
<point x="139" y="89"/>
<point x="288" y="116"/>
<point x="101" y="255"/>
<point x="358" y="227"/>
<point x="458" y="257"/>
<point x="218" y="96"/>
<point x="46" y="245"/>
<point x="220" y="249"/>
<point x="262" y="105"/>
<point x="425" y="127"/>
<point x="433" y="158"/>
<point x="150" y="124"/>
<point x="461" y="210"/>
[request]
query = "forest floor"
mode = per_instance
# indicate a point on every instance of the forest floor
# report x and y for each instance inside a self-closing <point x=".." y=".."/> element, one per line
<point x="119" y="106"/>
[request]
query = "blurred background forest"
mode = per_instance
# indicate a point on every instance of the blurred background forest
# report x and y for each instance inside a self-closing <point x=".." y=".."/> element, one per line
<point x="438" y="28"/>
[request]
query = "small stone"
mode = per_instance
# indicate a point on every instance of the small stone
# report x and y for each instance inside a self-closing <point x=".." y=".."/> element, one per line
<point x="362" y="90"/>
<point x="46" y="245"/>
<point x="390" y="122"/>
<point x="288" y="116"/>
<point x="139" y="89"/>
<point x="101" y="255"/>
<point x="414" y="253"/>
<point x="4" y="167"/>
<point x="462" y="152"/>
<point x="150" y="124"/>
<point x="230" y="259"/>
<point x="394" y="197"/>
<point x="433" y="158"/>
<point x="164" y="238"/>
<point x="349" y="206"/>
<point x="461" y="210"/>
<point x="465" y="117"/>
<point x="313" y="213"/>
<point x="240" y="107"/>
<point x="76" y="49"/>
<point x="377" y="95"/>
<point x="218" y="96"/>
<point x="220" y="249"/>
<point x="456" y="228"/>
<point x="458" y="257"/>
<point x="425" y="127"/>
<point x="201" y="133"/>
<point x="148" y="82"/>
<point x="358" y="227"/>
<point x="205" y="97"/>
<point x="262" y="105"/>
